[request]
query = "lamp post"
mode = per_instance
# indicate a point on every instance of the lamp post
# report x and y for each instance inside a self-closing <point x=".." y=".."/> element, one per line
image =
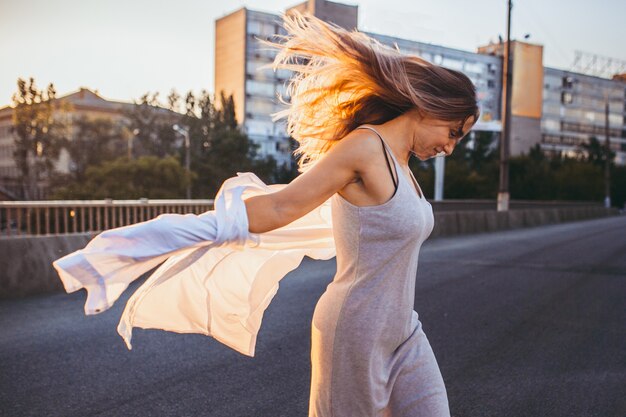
<point x="185" y="132"/>
<point x="503" y="191"/>
<point x="135" y="132"/>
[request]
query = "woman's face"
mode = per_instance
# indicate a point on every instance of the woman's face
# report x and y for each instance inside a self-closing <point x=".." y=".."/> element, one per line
<point x="434" y="137"/>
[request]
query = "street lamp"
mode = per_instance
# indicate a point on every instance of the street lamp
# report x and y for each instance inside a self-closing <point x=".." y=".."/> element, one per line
<point x="130" y="143"/>
<point x="185" y="132"/>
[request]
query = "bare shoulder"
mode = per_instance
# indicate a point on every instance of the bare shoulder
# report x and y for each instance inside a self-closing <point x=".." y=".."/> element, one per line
<point x="358" y="148"/>
<point x="347" y="162"/>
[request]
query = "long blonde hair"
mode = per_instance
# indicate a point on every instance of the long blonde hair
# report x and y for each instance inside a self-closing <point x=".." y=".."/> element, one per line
<point x="345" y="79"/>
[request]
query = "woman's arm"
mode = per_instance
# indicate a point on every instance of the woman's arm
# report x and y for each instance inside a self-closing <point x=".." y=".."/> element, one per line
<point x="337" y="168"/>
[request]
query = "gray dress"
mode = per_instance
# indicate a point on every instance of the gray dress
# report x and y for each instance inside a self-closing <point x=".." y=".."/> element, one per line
<point x="369" y="354"/>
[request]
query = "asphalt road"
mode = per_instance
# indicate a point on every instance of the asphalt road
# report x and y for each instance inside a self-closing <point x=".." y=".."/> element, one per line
<point x="523" y="323"/>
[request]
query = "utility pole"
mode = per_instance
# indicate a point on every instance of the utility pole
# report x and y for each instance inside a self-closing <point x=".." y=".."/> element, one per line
<point x="503" y="192"/>
<point x="607" y="151"/>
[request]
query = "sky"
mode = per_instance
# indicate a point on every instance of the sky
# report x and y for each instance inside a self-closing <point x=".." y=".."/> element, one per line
<point x="126" y="48"/>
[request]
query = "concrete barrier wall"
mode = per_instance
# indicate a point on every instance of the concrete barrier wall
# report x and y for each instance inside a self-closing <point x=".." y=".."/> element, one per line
<point x="464" y="222"/>
<point x="26" y="262"/>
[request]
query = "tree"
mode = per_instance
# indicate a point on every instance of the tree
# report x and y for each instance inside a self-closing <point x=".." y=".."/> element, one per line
<point x="218" y="147"/>
<point x="93" y="142"/>
<point x="145" y="177"/>
<point x="151" y="126"/>
<point x="618" y="186"/>
<point x="39" y="135"/>
<point x="596" y="153"/>
<point x="531" y="176"/>
<point x="471" y="170"/>
<point x="173" y="101"/>
<point x="578" y="180"/>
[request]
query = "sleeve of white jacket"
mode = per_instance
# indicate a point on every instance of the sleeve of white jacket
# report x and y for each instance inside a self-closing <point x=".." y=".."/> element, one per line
<point x="116" y="257"/>
<point x="217" y="278"/>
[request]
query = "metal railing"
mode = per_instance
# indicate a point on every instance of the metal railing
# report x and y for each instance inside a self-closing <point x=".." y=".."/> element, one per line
<point x="32" y="218"/>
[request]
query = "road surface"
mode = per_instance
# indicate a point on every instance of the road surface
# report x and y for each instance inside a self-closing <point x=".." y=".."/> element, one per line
<point x="523" y="323"/>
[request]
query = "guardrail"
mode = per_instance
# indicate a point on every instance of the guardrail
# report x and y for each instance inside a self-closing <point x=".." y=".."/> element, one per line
<point x="470" y="205"/>
<point x="32" y="218"/>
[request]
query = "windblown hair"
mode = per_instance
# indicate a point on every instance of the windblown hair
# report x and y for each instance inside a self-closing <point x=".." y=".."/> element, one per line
<point x="345" y="79"/>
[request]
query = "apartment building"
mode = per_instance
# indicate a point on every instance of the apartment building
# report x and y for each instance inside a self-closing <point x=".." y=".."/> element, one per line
<point x="555" y="108"/>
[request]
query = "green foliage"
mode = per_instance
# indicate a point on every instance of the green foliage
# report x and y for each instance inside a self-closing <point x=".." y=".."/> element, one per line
<point x="618" y="186"/>
<point x="579" y="181"/>
<point x="473" y="172"/>
<point x="146" y="177"/>
<point x="151" y="126"/>
<point x="218" y="148"/>
<point x="530" y="177"/>
<point x="39" y="136"/>
<point x="597" y="152"/>
<point x="93" y="141"/>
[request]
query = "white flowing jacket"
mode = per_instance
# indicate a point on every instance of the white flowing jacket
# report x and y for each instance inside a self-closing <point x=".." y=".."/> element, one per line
<point x="215" y="279"/>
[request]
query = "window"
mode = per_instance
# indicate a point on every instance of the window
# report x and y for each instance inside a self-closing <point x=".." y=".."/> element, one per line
<point x="566" y="98"/>
<point x="283" y="74"/>
<point x="261" y="29"/>
<point x="453" y="64"/>
<point x="491" y="84"/>
<point x="260" y="88"/>
<point x="615" y="119"/>
<point x="474" y="67"/>
<point x="428" y="57"/>
<point x="259" y="106"/>
<point x="253" y="68"/>
<point x="552" y="109"/>
<point x="568" y="82"/>
<point x="259" y="127"/>
<point x="551" y="124"/>
<point x="254" y="27"/>
<point x="572" y="114"/>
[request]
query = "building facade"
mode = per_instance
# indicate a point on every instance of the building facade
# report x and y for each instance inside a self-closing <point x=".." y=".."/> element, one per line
<point x="83" y="103"/>
<point x="240" y="59"/>
<point x="239" y="69"/>
<point x="561" y="110"/>
<point x="485" y="71"/>
<point x="546" y="110"/>
<point x="574" y="110"/>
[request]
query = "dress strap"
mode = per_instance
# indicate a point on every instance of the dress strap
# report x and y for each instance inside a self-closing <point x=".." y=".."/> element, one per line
<point x="418" y="189"/>
<point x="386" y="151"/>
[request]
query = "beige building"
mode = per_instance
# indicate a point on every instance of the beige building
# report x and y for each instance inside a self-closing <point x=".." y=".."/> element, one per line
<point x="526" y="92"/>
<point x="82" y="103"/>
<point x="238" y="58"/>
<point x="559" y="110"/>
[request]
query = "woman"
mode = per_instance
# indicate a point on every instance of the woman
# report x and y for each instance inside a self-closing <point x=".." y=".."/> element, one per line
<point x="358" y="111"/>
